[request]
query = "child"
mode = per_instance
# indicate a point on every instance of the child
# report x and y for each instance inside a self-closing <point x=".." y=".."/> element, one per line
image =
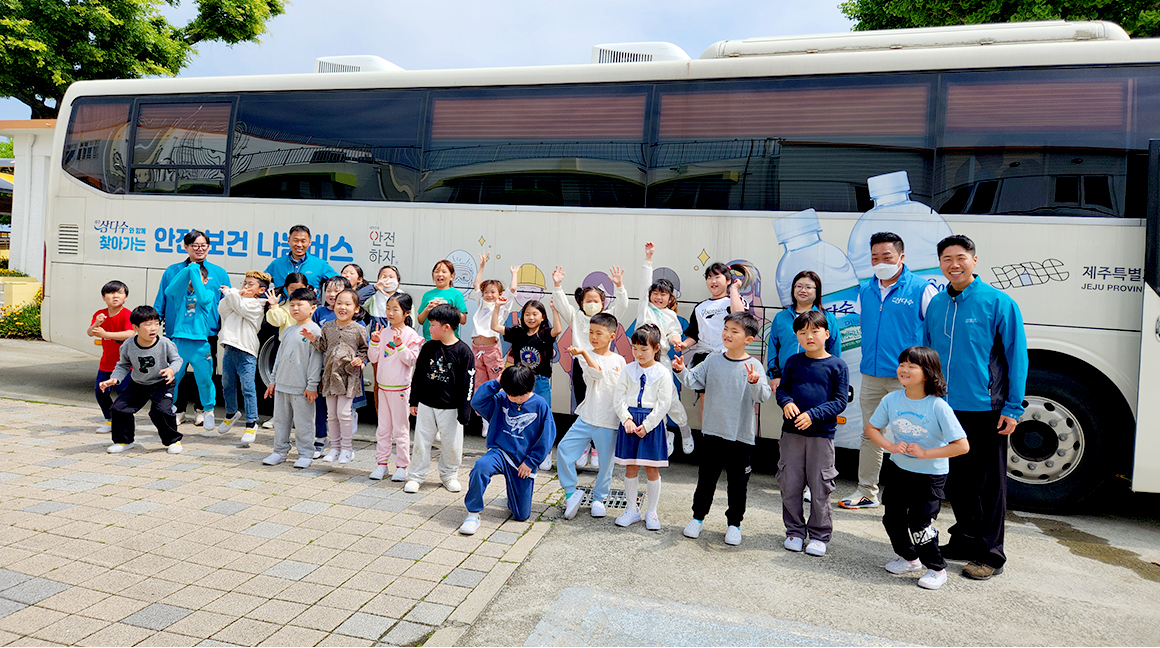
<point x="728" y="426"/>
<point x="590" y="301"/>
<point x="151" y="362"/>
<point x="442" y="293"/>
<point x="343" y="343"/>
<point x="485" y="344"/>
<point x="596" y="421"/>
<point x="926" y="434"/>
<point x="294" y="382"/>
<point x="192" y="330"/>
<point x="241" y="312"/>
<point x="354" y="274"/>
<point x="658" y="306"/>
<point x="812" y="393"/>
<point x="385" y="287"/>
<point x="708" y="321"/>
<point x="533" y="344"/>
<point x="643" y="397"/>
<point x="330" y="287"/>
<point x="279" y="313"/>
<point x="440" y="399"/>
<point x="393" y="354"/>
<point x="111" y="327"/>
<point x="522" y="431"/>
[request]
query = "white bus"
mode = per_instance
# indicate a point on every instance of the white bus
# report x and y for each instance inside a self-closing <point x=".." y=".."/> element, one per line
<point x="1037" y="141"/>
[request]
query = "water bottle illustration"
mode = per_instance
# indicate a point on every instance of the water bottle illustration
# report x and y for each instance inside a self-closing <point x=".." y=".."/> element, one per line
<point x="920" y="227"/>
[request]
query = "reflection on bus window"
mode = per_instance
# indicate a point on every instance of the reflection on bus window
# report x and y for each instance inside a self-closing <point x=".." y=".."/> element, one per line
<point x="94" y="149"/>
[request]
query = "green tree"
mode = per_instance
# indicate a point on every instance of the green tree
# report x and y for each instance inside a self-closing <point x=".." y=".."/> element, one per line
<point x="45" y="45"/>
<point x="1138" y="17"/>
<point x="6" y="148"/>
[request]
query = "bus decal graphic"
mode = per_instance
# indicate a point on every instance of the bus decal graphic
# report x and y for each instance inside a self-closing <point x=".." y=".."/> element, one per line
<point x="1029" y="273"/>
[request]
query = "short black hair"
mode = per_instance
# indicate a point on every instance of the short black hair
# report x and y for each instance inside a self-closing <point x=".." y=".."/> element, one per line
<point x="304" y="294"/>
<point x="114" y="286"/>
<point x="816" y="318"/>
<point x="193" y="235"/>
<point x="517" y="379"/>
<point x="338" y="280"/>
<point x="718" y="269"/>
<point x="888" y="237"/>
<point x="956" y="239"/>
<point x="648" y="335"/>
<point x="746" y="321"/>
<point x="927" y="359"/>
<point x="607" y="320"/>
<point x="143" y="314"/>
<point x="299" y="228"/>
<point x="445" y="314"/>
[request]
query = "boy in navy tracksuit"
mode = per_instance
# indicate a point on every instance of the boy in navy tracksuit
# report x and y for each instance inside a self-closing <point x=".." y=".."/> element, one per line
<point x="978" y="332"/>
<point x="520" y="434"/>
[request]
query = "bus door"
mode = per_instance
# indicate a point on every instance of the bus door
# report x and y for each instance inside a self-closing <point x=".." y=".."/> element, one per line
<point x="1146" y="468"/>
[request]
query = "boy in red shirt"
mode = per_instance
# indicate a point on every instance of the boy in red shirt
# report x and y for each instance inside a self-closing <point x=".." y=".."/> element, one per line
<point x="111" y="327"/>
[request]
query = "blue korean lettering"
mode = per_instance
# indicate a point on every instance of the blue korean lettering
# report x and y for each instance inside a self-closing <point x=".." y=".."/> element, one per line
<point x="237" y="243"/>
<point x="341" y="245"/>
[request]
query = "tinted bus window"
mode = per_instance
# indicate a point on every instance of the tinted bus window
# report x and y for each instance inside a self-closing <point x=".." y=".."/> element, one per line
<point x="96" y="144"/>
<point x="180" y="147"/>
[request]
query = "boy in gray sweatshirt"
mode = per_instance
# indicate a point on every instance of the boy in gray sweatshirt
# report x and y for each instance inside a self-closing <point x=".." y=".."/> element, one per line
<point x="733" y="383"/>
<point x="294" y="382"/>
<point x="150" y="360"/>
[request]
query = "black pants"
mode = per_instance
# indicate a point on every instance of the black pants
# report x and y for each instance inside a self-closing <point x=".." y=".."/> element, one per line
<point x="912" y="501"/>
<point x="132" y="398"/>
<point x="719" y="454"/>
<point x="187" y="390"/>
<point x="977" y="490"/>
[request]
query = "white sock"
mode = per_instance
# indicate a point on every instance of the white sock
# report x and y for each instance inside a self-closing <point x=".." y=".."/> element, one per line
<point x="653" y="494"/>
<point x="686" y="432"/>
<point x="631" y="488"/>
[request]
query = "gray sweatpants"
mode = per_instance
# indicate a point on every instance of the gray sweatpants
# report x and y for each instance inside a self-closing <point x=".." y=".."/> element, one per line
<point x="806" y="461"/>
<point x="293" y="409"/>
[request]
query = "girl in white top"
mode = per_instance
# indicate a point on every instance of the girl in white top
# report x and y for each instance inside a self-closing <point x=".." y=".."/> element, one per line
<point x="485" y="344"/>
<point x="590" y="301"/>
<point x="658" y="306"/>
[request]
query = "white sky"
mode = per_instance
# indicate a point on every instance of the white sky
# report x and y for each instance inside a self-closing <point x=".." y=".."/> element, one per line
<point x="435" y="34"/>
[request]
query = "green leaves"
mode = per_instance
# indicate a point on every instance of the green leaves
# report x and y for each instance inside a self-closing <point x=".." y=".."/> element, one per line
<point x="1139" y="18"/>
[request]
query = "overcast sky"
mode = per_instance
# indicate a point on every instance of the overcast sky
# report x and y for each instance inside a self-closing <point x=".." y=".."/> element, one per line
<point x="436" y="34"/>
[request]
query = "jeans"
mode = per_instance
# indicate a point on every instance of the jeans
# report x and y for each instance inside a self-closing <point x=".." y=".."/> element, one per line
<point x="543" y="388"/>
<point x="239" y="365"/>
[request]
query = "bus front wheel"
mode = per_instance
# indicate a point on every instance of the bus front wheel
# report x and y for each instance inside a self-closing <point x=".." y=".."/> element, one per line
<point x="266" y="354"/>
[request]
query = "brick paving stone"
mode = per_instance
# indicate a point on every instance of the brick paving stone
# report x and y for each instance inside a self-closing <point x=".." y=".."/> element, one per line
<point x="407" y="550"/>
<point x="464" y="577"/>
<point x="227" y="507"/>
<point x="73" y="600"/>
<point x="409" y="587"/>
<point x="366" y="626"/>
<point x="34" y="590"/>
<point x="312" y="508"/>
<point x="243" y="484"/>
<point x="406" y="633"/>
<point x="58" y="462"/>
<point x="8" y="578"/>
<point x="246" y="632"/>
<point x="290" y="569"/>
<point x="117" y="634"/>
<point x="29" y="619"/>
<point x="429" y="613"/>
<point x="8" y="607"/>
<point x="157" y="616"/>
<point x="202" y="624"/>
<point x="266" y="530"/>
<point x="70" y="629"/>
<point x="447" y="594"/>
<point x="294" y="636"/>
<point x="46" y="507"/>
<point x="336" y="639"/>
<point x="163" y="484"/>
<point x="321" y="617"/>
<point x="503" y="537"/>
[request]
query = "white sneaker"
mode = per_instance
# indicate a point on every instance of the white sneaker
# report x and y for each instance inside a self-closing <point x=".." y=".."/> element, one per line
<point x="572" y="504"/>
<point x="932" y="579"/>
<point x="693" y="529"/>
<point x="345" y="456"/>
<point x="816" y="548"/>
<point x="793" y="544"/>
<point x="225" y="425"/>
<point x="174" y="448"/>
<point x="453" y="485"/>
<point x="598" y="510"/>
<point x="628" y="518"/>
<point x="652" y="522"/>
<point x="268" y="425"/>
<point x="593" y="460"/>
<point x="470" y="525"/>
<point x="379" y="472"/>
<point x="411" y="486"/>
<point x="273" y="459"/>
<point x="303" y="462"/>
<point x="583" y="460"/>
<point x="546" y="464"/>
<point x="806" y="497"/>
<point x="331" y="456"/>
<point x="199" y="417"/>
<point x="733" y="536"/>
<point x="903" y="566"/>
<point x="181" y="418"/>
<point x="687" y="444"/>
<point x="400" y="475"/>
<point x="117" y="448"/>
<point x="206" y="421"/>
<point x="670" y="438"/>
<point x="106" y="428"/>
<point x="318" y="448"/>
<point x="248" y="438"/>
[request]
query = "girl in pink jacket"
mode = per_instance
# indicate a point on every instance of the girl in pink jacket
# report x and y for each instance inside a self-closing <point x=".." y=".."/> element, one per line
<point x="395" y="350"/>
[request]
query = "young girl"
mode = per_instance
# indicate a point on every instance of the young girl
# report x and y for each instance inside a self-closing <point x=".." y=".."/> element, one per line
<point x="385" y="287"/>
<point x="442" y="274"/>
<point x="343" y="344"/>
<point x="926" y="434"/>
<point x="354" y="274"/>
<point x="485" y="341"/>
<point x="393" y="352"/>
<point x="330" y="288"/>
<point x="643" y="397"/>
<point x="279" y="315"/>
<point x="532" y="342"/>
<point x="658" y="306"/>
<point x="590" y="301"/>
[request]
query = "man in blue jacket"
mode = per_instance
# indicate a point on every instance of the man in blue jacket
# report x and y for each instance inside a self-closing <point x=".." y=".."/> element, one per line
<point x="892" y="306"/>
<point x="978" y="333"/>
<point x="299" y="259"/>
<point x="174" y="310"/>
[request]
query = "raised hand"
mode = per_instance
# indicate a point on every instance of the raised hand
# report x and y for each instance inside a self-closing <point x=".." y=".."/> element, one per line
<point x="483" y="259"/>
<point x="397" y="338"/>
<point x="751" y="374"/>
<point x="648" y="251"/>
<point x="375" y="334"/>
<point x="100" y="320"/>
<point x="502" y="299"/>
<point x="735" y="285"/>
<point x="558" y="276"/>
<point x="617" y="276"/>
<point x="679" y="364"/>
<point x="271" y="298"/>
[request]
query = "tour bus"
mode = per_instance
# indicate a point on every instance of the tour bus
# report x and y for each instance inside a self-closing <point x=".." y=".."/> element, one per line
<point x="771" y="155"/>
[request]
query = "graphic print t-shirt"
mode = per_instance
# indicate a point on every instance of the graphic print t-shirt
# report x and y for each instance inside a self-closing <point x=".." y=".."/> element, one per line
<point x="533" y="350"/>
<point x="929" y="422"/>
<point x="707" y="324"/>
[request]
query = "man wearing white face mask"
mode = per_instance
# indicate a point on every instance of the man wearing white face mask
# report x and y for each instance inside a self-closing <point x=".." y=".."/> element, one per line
<point x="892" y="306"/>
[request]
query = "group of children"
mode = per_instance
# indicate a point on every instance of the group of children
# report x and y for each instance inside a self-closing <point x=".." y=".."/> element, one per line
<point x="622" y="408"/>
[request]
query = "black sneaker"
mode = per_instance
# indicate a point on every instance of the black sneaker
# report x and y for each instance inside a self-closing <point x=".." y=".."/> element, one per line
<point x="860" y="503"/>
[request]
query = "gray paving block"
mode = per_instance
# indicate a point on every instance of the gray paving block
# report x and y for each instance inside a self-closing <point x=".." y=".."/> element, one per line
<point x="35" y="442"/>
<point x="138" y="507"/>
<point x="181" y="467"/>
<point x="268" y="530"/>
<point x="463" y="577"/>
<point x="226" y="507"/>
<point x="365" y="626"/>
<point x="68" y="485"/>
<point x="310" y="472"/>
<point x="376" y="491"/>
<point x="211" y="642"/>
<point x="58" y="462"/>
<point x="34" y="590"/>
<point x="243" y="484"/>
<point x="5" y="476"/>
<point x="163" y="484"/>
<point x="429" y="613"/>
<point x="390" y="505"/>
<point x="409" y="498"/>
<point x="8" y="578"/>
<point x="158" y="616"/>
<point x="408" y="550"/>
<point x="360" y="501"/>
<point x="46" y="507"/>
<point x="290" y="569"/>
<point x="8" y="607"/>
<point x="406" y="633"/>
<point x="503" y="537"/>
<point x="312" y="508"/>
<point x="133" y="462"/>
<point x="96" y="478"/>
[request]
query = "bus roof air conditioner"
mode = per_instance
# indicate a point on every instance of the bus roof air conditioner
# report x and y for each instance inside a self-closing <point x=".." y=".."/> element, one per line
<point x="357" y="63"/>
<point x="637" y="53"/>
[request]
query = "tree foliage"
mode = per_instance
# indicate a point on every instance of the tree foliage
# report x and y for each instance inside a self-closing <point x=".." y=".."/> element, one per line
<point x="1138" y="17"/>
<point x="6" y="148"/>
<point x="45" y="45"/>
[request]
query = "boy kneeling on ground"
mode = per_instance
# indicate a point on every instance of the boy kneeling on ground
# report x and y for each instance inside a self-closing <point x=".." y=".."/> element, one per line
<point x="520" y="435"/>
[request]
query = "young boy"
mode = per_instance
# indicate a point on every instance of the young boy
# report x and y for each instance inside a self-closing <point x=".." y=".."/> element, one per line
<point x="596" y="421"/>
<point x="242" y="312"/>
<point x="703" y="334"/>
<point x="520" y="435"/>
<point x="441" y="400"/>
<point x="812" y="393"/>
<point x="111" y="327"/>
<point x="150" y="360"/>
<point x="733" y="384"/>
<point x="294" y="382"/>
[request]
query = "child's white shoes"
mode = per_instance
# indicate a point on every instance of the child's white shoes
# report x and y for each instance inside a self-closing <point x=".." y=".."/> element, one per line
<point x="572" y="505"/>
<point x="598" y="510"/>
<point x="546" y="464"/>
<point x="400" y="475"/>
<point x="733" y="536"/>
<point x="106" y="428"/>
<point x="411" y="486"/>
<point x="933" y="580"/>
<point x="693" y="529"/>
<point x="345" y="456"/>
<point x="793" y="544"/>
<point x="628" y="518"/>
<point x="379" y="472"/>
<point x="816" y="548"/>
<point x="248" y="438"/>
<point x="453" y="485"/>
<point x="470" y="525"/>
<point x="331" y="456"/>
<point x="174" y="448"/>
<point x="652" y="522"/>
<point x="118" y="448"/>
<point x="903" y="566"/>
<point x="303" y="462"/>
<point x="273" y="459"/>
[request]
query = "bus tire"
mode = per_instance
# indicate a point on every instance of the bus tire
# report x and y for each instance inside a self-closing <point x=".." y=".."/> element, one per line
<point x="267" y="351"/>
<point x="1058" y="455"/>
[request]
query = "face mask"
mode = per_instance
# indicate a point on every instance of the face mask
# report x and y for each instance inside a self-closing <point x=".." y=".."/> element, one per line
<point x="591" y="309"/>
<point x="391" y="285"/>
<point x="885" y="271"/>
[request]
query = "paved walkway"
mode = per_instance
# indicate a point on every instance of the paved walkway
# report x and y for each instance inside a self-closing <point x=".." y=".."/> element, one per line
<point x="209" y="547"/>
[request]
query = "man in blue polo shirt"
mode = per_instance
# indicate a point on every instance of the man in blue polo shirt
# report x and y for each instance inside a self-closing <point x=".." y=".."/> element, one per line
<point x="892" y="306"/>
<point x="299" y="259"/>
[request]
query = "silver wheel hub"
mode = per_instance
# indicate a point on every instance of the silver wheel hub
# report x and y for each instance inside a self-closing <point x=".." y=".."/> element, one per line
<point x="1047" y="444"/>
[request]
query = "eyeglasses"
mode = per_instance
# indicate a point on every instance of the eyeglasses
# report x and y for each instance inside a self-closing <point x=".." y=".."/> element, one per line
<point x="808" y="286"/>
<point x="199" y="246"/>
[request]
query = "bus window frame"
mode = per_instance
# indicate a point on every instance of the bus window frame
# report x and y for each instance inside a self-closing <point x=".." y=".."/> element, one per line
<point x="132" y="166"/>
